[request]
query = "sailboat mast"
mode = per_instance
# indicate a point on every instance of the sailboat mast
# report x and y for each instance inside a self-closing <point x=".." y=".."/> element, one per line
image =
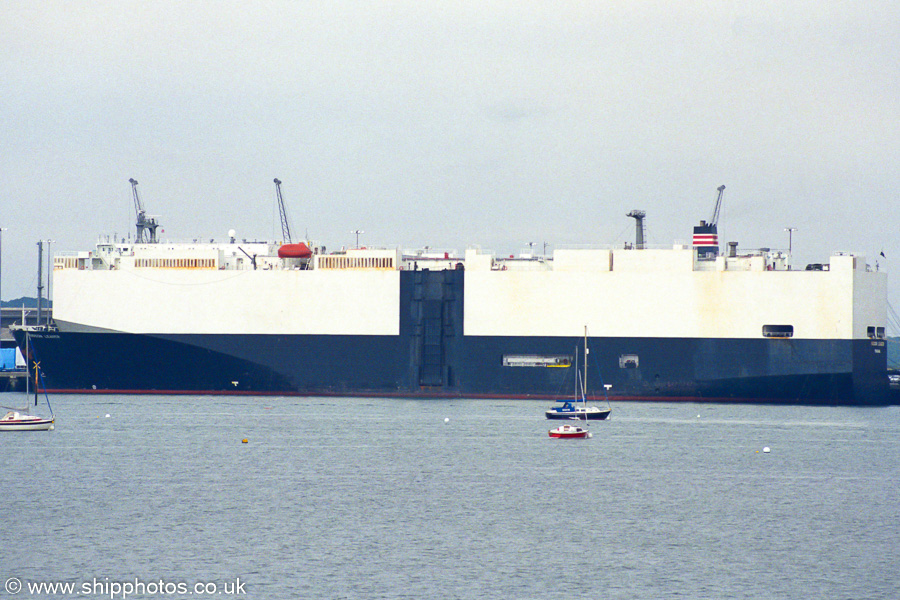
<point x="36" y="396"/>
<point x="577" y="374"/>
<point x="584" y="379"/>
<point x="27" y="370"/>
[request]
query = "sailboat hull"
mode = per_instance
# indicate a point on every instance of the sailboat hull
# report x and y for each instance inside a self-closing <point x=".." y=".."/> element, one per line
<point x="569" y="432"/>
<point x="27" y="425"/>
<point x="578" y="415"/>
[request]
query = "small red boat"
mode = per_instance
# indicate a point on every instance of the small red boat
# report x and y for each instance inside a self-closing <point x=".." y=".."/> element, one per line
<point x="569" y="431"/>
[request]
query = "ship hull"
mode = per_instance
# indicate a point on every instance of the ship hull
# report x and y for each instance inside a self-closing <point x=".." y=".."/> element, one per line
<point x="368" y="324"/>
<point x="817" y="372"/>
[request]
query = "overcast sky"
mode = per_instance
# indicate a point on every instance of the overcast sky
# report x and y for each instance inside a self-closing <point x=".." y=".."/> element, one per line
<point x="448" y="124"/>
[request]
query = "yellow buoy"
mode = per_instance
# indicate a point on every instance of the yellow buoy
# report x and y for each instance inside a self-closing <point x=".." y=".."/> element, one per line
<point x="244" y="441"/>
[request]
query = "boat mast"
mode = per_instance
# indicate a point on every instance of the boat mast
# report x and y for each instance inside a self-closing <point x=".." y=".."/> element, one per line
<point x="27" y="370"/>
<point x="577" y="375"/>
<point x="36" y="396"/>
<point x="584" y="379"/>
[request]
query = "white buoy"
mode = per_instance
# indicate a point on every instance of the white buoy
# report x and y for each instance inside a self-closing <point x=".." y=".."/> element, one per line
<point x="766" y="449"/>
<point x="446" y="419"/>
<point x="107" y="415"/>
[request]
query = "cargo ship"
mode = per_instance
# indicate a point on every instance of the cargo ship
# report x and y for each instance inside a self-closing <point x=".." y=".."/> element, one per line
<point x="682" y="323"/>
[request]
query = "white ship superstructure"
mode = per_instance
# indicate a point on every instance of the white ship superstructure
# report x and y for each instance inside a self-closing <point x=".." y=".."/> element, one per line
<point x="213" y="288"/>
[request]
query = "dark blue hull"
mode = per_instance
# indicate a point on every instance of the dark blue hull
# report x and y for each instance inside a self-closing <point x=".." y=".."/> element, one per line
<point x="832" y="372"/>
<point x="577" y="416"/>
<point x="432" y="358"/>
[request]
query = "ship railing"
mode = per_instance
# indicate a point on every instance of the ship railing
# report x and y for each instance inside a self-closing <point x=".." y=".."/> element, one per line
<point x="677" y="245"/>
<point x="426" y="252"/>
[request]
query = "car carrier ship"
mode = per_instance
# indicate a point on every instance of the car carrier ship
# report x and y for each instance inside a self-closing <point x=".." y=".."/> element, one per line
<point x="684" y="323"/>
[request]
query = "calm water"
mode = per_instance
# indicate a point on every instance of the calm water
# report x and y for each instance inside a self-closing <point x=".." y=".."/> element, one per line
<point x="358" y="498"/>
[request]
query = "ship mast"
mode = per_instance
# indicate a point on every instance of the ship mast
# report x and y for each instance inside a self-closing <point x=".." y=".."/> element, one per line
<point x="40" y="284"/>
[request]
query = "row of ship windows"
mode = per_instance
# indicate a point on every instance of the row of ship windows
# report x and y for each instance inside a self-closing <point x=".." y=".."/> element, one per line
<point x="355" y="262"/>
<point x="176" y="263"/>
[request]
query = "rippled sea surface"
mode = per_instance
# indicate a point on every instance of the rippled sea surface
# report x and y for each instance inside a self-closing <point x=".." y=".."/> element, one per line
<point x="362" y="498"/>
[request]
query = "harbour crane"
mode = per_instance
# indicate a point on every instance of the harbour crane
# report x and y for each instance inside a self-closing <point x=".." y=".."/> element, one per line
<point x="146" y="225"/>
<point x="715" y="217"/>
<point x="285" y="228"/>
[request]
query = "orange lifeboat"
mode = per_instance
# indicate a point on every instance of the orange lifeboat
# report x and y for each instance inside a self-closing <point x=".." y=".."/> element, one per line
<point x="300" y="250"/>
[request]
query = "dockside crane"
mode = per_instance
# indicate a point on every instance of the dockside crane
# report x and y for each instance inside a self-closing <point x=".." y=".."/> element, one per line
<point x="146" y="225"/>
<point x="715" y="217"/>
<point x="285" y="228"/>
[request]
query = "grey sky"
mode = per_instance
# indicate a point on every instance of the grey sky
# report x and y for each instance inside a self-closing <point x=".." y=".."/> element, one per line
<point x="449" y="124"/>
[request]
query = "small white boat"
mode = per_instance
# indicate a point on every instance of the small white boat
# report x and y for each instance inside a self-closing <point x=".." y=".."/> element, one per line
<point x="16" y="421"/>
<point x="569" y="431"/>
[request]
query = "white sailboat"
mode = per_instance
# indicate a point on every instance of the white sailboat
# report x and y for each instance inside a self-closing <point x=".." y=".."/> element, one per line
<point x="570" y="409"/>
<point x="571" y="431"/>
<point x="19" y="419"/>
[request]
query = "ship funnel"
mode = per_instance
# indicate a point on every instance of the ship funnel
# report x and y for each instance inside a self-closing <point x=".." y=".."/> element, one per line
<point x="732" y="249"/>
<point x="706" y="235"/>
<point x="706" y="241"/>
